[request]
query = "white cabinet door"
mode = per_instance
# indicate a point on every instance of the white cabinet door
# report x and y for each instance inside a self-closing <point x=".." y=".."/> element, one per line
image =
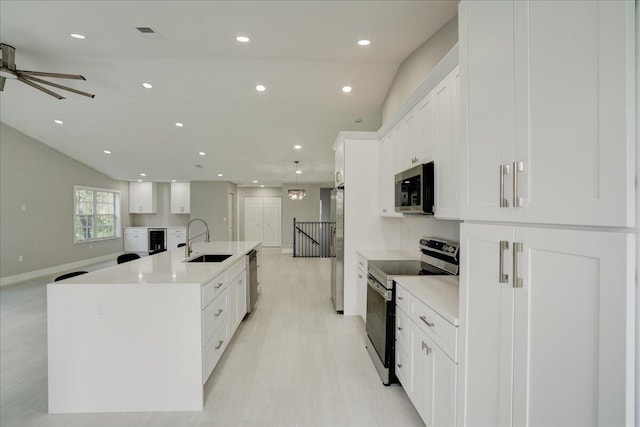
<point x="444" y="389"/>
<point x="142" y="197"/>
<point x="554" y="101"/>
<point x="136" y="239"/>
<point x="565" y="332"/>
<point x="487" y="105"/>
<point x="426" y="114"/>
<point x="272" y="221"/>
<point x="253" y="218"/>
<point x="422" y="373"/>
<point x="447" y="106"/>
<point x="361" y="283"/>
<point x="180" y="197"/>
<point x="387" y="175"/>
<point x="574" y="123"/>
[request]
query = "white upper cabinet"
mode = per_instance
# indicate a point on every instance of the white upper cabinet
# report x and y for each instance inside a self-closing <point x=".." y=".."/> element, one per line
<point x="407" y="144"/>
<point x="425" y="150"/>
<point x="142" y="197"/>
<point x="447" y="113"/>
<point x="339" y="164"/>
<point x="180" y="197"/>
<point x="387" y="173"/>
<point x="547" y="99"/>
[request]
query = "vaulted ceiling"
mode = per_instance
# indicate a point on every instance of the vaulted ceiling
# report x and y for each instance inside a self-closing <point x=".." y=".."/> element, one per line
<point x="303" y="52"/>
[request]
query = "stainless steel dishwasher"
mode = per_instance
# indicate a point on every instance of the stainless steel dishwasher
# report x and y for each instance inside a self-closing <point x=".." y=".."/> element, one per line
<point x="252" y="279"/>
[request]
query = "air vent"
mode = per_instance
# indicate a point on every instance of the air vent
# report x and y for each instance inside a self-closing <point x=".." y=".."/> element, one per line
<point x="199" y="166"/>
<point x="149" y="32"/>
<point x="146" y="30"/>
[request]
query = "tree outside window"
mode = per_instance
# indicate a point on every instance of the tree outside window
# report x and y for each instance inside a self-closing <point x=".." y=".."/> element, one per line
<point x="96" y="213"/>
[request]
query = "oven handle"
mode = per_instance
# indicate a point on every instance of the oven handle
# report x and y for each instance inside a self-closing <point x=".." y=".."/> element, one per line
<point x="381" y="290"/>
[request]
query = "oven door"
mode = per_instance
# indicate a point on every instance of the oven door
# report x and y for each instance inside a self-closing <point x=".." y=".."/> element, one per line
<point x="380" y="318"/>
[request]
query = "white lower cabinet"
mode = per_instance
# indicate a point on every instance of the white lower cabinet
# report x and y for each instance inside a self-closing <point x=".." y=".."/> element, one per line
<point x="136" y="239"/>
<point x="546" y="332"/>
<point x="175" y="236"/>
<point x="361" y="283"/>
<point x="427" y="372"/>
<point x="223" y="302"/>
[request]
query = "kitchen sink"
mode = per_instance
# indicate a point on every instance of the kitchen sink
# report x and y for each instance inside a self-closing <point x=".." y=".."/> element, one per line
<point x="210" y="258"/>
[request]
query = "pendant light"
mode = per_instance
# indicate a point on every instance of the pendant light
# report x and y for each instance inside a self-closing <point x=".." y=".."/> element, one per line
<point x="296" y="193"/>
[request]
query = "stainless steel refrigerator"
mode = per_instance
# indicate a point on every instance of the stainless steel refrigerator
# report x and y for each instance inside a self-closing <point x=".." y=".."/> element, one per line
<point x="337" y="249"/>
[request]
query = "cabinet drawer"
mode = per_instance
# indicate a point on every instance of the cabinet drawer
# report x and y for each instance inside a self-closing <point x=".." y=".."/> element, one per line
<point x="403" y="333"/>
<point x="362" y="263"/>
<point x="403" y="368"/>
<point x="212" y="288"/>
<point x="402" y="298"/>
<point x="236" y="268"/>
<point x="213" y="315"/>
<point x="213" y="350"/>
<point x="435" y="326"/>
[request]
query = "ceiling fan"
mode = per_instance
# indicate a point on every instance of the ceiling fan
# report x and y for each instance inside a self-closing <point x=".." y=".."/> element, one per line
<point x="9" y="71"/>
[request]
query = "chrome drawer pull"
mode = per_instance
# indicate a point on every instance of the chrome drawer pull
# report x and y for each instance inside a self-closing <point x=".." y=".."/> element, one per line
<point x="423" y="345"/>
<point x="424" y="319"/>
<point x="399" y="365"/>
<point x="504" y="170"/>
<point x="399" y="328"/>
<point x="219" y="344"/>
<point x="517" y="248"/>
<point x="219" y="284"/>
<point x="428" y="350"/>
<point x="517" y="200"/>
<point x="502" y="276"/>
<point x="400" y="298"/>
<point x="219" y="312"/>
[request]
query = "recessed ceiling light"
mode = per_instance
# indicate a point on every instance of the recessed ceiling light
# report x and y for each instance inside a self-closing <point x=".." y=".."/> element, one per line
<point x="58" y="122"/>
<point x="297" y="147"/>
<point x="261" y="88"/>
<point x="147" y="85"/>
<point x="139" y="180"/>
<point x="255" y="181"/>
<point x="346" y="89"/>
<point x="173" y="180"/>
<point x="179" y="124"/>
<point x="202" y="153"/>
<point x="364" y="42"/>
<point x="298" y="172"/>
<point x="220" y="174"/>
<point x="243" y="39"/>
<point x="78" y="36"/>
<point x="107" y="152"/>
<point x="143" y="174"/>
<point x="262" y="185"/>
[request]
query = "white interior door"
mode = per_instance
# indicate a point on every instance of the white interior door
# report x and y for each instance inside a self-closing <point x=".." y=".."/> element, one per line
<point x="253" y="218"/>
<point x="272" y="221"/>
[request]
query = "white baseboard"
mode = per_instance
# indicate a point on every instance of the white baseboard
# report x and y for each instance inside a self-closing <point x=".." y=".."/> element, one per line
<point x="10" y="280"/>
<point x="287" y="250"/>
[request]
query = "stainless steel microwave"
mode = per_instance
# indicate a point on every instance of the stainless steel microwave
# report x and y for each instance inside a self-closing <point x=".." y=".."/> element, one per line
<point x="414" y="190"/>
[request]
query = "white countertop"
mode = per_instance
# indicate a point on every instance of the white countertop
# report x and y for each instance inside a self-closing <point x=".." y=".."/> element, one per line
<point x="441" y="293"/>
<point x="386" y="255"/>
<point x="167" y="267"/>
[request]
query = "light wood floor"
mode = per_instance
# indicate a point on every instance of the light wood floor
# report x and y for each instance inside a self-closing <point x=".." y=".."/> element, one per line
<point x="292" y="362"/>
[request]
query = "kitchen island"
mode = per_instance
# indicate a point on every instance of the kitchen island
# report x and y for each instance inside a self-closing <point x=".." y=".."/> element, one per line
<point x="144" y="335"/>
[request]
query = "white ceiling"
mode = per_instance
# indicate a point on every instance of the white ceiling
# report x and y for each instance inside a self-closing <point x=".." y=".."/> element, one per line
<point x="304" y="52"/>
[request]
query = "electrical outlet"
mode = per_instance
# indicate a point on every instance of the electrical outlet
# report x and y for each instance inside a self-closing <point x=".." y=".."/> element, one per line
<point x="20" y="258"/>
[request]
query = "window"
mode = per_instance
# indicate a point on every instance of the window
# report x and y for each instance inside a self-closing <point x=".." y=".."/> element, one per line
<point x="96" y="214"/>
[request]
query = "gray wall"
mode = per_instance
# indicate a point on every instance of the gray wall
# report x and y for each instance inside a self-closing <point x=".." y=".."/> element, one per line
<point x="415" y="68"/>
<point x="303" y="210"/>
<point x="164" y="217"/>
<point x="41" y="178"/>
<point x="209" y="201"/>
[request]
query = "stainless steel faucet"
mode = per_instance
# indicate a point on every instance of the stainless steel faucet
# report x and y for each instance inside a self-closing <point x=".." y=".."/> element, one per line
<point x="187" y="248"/>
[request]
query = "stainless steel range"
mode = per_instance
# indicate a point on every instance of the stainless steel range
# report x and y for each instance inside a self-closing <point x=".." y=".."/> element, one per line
<point x="439" y="257"/>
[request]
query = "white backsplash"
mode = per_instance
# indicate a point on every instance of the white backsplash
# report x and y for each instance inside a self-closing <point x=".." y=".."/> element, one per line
<point x="404" y="233"/>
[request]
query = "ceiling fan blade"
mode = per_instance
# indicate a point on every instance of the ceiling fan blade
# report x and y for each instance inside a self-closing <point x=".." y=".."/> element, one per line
<point x="2" y="80"/>
<point x="45" y="90"/>
<point x="8" y="56"/>
<point x="55" y="75"/>
<point x="44" y="82"/>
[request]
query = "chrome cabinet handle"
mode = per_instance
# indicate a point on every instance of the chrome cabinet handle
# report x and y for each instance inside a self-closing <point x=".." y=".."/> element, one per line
<point x="502" y="276"/>
<point x="219" y="344"/>
<point x="219" y="312"/>
<point x="219" y="284"/>
<point x="360" y="276"/>
<point x="517" y="200"/>
<point x="399" y="328"/>
<point x="400" y="298"/>
<point x="428" y="350"/>
<point x="517" y="248"/>
<point x="399" y="365"/>
<point x="504" y="170"/>
<point x="429" y="324"/>
<point x="424" y="345"/>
